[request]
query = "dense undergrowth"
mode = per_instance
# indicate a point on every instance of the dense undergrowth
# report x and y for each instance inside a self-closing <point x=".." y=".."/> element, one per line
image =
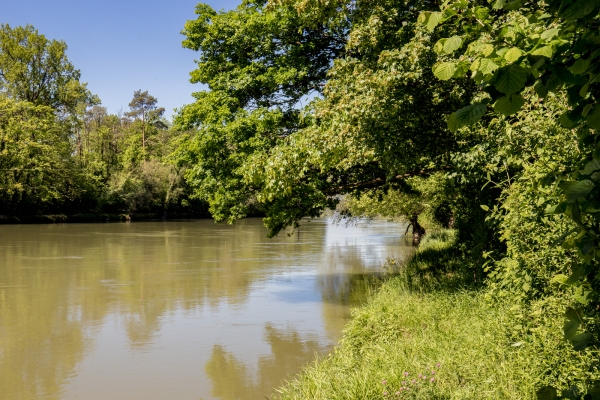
<point x="433" y="332"/>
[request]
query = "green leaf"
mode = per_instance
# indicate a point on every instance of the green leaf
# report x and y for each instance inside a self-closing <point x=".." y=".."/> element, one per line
<point x="583" y="295"/>
<point x="557" y="209"/>
<point x="570" y="329"/>
<point x="584" y="90"/>
<point x="560" y="278"/>
<point x="578" y="9"/>
<point x="576" y="212"/>
<point x="582" y="341"/>
<point x="487" y="66"/>
<point x="487" y="49"/>
<point x="444" y="71"/>
<point x="498" y="4"/>
<point x="549" y="34"/>
<point x="591" y="166"/>
<point x="509" y="105"/>
<point x="540" y="89"/>
<point x="579" y="271"/>
<point x="545" y="51"/>
<point x="572" y="323"/>
<point x="512" y="54"/>
<point x="593" y="118"/>
<point x="466" y="116"/>
<point x="484" y="207"/>
<point x="575" y="189"/>
<point x="481" y="12"/>
<point x="569" y="119"/>
<point x="423" y="17"/>
<point x="546" y="393"/>
<point x="451" y="44"/>
<point x="461" y="70"/>
<point x="580" y="66"/>
<point x="434" y="19"/>
<point x="512" y="79"/>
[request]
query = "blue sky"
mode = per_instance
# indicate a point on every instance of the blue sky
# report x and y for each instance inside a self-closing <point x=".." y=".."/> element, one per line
<point x="120" y="46"/>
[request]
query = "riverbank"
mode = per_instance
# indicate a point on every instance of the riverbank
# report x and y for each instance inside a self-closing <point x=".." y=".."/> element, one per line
<point x="95" y="217"/>
<point x="426" y="334"/>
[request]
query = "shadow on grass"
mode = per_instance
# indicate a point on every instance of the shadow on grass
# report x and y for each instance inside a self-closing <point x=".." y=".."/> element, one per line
<point x="437" y="265"/>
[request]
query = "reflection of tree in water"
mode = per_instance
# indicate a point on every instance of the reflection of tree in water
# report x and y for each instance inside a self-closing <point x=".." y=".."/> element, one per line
<point x="232" y="379"/>
<point x="59" y="284"/>
<point x="351" y="269"/>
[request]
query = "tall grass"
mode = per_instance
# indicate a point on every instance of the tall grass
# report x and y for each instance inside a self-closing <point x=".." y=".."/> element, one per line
<point x="430" y="333"/>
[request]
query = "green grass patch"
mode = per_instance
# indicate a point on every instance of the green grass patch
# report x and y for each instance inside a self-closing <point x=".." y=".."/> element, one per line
<point x="430" y="333"/>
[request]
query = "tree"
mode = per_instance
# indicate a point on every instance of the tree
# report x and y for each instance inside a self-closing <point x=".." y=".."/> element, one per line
<point x="381" y="119"/>
<point x="259" y="63"/>
<point x="37" y="70"/>
<point x="143" y="106"/>
<point x="35" y="158"/>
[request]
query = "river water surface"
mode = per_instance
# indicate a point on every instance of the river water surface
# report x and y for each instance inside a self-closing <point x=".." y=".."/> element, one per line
<point x="176" y="310"/>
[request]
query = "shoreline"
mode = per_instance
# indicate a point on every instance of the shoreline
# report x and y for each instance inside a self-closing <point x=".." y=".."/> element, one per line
<point x="95" y="217"/>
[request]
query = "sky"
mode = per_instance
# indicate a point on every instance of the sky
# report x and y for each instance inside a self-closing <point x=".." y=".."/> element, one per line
<point x="120" y="46"/>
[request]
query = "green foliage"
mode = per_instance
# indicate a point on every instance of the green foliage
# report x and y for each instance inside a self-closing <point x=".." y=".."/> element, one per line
<point x="551" y="47"/>
<point x="35" y="69"/>
<point x="60" y="152"/>
<point x="35" y="162"/>
<point x="258" y="148"/>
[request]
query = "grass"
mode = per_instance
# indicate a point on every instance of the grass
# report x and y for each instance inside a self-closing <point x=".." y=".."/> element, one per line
<point x="429" y="320"/>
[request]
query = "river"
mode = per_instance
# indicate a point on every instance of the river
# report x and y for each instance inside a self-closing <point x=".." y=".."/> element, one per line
<point x="177" y="310"/>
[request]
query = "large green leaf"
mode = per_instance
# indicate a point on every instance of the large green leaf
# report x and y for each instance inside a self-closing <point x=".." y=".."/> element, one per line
<point x="466" y="116"/>
<point x="591" y="166"/>
<point x="570" y="328"/>
<point x="546" y="51"/>
<point x="579" y="271"/>
<point x="509" y="105"/>
<point x="578" y="9"/>
<point x="512" y="54"/>
<point x="549" y="34"/>
<point x="487" y="66"/>
<point x="511" y="79"/>
<point x="434" y="19"/>
<point x="557" y="209"/>
<point x="576" y="189"/>
<point x="444" y="71"/>
<point x="451" y="44"/>
<point x="582" y="341"/>
<point x="540" y="89"/>
<point x="593" y="118"/>
<point x="580" y="66"/>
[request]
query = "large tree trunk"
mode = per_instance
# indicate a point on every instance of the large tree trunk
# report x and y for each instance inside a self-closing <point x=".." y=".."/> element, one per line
<point x="418" y="231"/>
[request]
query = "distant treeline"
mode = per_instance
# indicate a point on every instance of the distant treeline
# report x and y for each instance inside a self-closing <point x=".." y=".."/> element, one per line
<point x="61" y="152"/>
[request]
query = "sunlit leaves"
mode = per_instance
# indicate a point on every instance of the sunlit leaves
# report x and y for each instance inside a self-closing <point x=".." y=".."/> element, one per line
<point x="549" y="34"/>
<point x="430" y="19"/>
<point x="545" y="51"/>
<point x="445" y="70"/>
<point x="513" y="54"/>
<point x="487" y="66"/>
<point x="452" y="44"/>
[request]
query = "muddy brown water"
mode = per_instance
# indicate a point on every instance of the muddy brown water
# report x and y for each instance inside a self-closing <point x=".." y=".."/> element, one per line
<point x="176" y="310"/>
